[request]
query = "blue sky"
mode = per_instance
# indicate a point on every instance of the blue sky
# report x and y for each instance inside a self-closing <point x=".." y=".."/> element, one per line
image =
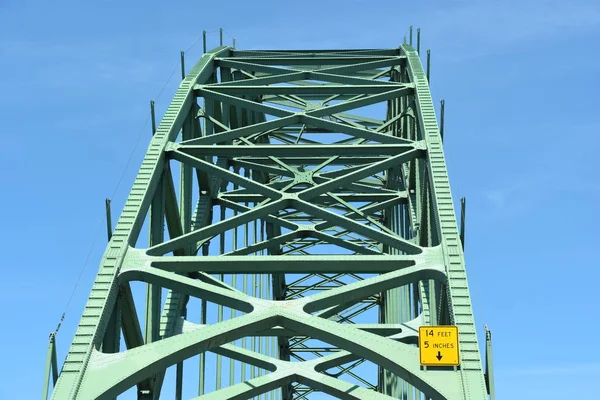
<point x="522" y="143"/>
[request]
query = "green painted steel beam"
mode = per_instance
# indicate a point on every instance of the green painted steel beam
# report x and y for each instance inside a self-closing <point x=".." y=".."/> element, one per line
<point x="339" y="160"/>
<point x="287" y="264"/>
<point x="317" y="90"/>
<point x="323" y="221"/>
<point x="349" y="59"/>
<point x="355" y="197"/>
<point x="295" y="53"/>
<point x="285" y="150"/>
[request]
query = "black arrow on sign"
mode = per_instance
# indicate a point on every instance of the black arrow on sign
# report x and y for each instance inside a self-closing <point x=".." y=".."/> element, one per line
<point x="439" y="356"/>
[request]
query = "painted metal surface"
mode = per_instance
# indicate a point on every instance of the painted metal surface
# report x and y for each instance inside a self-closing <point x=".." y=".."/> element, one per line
<point x="312" y="225"/>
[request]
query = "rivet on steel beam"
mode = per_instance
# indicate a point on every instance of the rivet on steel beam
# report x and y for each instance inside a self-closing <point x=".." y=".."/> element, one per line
<point x="220" y="36"/>
<point x="418" y="40"/>
<point x="463" y="206"/>
<point x="428" y="64"/>
<point x="152" y="117"/>
<point x="182" y="65"/>
<point x="108" y="219"/>
<point x="204" y="41"/>
<point x="442" y="107"/>
<point x="410" y="36"/>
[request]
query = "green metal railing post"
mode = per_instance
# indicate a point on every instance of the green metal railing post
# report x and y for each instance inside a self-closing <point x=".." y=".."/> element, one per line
<point x="410" y="35"/>
<point x="463" y="205"/>
<point x="429" y="66"/>
<point x="204" y="42"/>
<point x="442" y="106"/>
<point x="418" y="40"/>
<point x="182" y="55"/>
<point x="152" y="117"/>
<point x="489" y="364"/>
<point x="108" y="219"/>
<point x="220" y="36"/>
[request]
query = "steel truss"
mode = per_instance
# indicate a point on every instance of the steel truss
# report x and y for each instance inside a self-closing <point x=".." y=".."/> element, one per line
<point x="314" y="234"/>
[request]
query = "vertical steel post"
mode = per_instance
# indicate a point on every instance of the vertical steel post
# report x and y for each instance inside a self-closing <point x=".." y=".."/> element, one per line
<point x="112" y="337"/>
<point x="202" y="366"/>
<point x="182" y="64"/>
<point x="234" y="43"/>
<point x="204" y="42"/>
<point x="219" y="367"/>
<point x="428" y="65"/>
<point x="179" y="381"/>
<point x="396" y="308"/>
<point x="220" y="36"/>
<point x="463" y="205"/>
<point x="489" y="364"/>
<point x="253" y="346"/>
<point x="51" y="366"/>
<point x="245" y="278"/>
<point x="418" y="40"/>
<point x="152" y="117"/>
<point x="108" y="219"/>
<point x="156" y="233"/>
<point x="185" y="200"/>
<point x="233" y="312"/>
<point x="186" y="183"/>
<point x="442" y="106"/>
<point x="410" y="35"/>
<point x="202" y="382"/>
<point x="202" y="358"/>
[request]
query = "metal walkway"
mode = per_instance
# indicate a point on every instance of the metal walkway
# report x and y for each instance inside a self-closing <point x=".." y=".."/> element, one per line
<point x="312" y="226"/>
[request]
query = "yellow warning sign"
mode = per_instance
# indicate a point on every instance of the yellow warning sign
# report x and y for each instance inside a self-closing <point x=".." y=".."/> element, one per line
<point x="438" y="345"/>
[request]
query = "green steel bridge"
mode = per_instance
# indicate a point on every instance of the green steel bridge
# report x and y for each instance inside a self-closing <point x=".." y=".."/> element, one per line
<point x="310" y="233"/>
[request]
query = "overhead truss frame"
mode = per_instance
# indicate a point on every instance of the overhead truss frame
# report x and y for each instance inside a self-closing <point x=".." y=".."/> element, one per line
<point x="322" y="233"/>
